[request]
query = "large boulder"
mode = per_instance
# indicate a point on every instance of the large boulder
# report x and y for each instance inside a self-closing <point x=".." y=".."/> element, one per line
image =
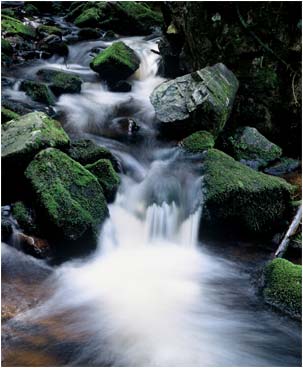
<point x="200" y="100"/>
<point x="198" y="142"/>
<point x="115" y="63"/>
<point x="69" y="198"/>
<point x="107" y="177"/>
<point x="60" y="82"/>
<point x="239" y="200"/>
<point x="250" y="147"/>
<point x="12" y="26"/>
<point x="24" y="137"/>
<point x="283" y="286"/>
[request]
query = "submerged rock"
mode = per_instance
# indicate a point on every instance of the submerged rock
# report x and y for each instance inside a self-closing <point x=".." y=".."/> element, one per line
<point x="60" y="82"/>
<point x="283" y="286"/>
<point x="115" y="63"/>
<point x="69" y="197"/>
<point x="201" y="100"/>
<point x="198" y="142"/>
<point x="107" y="177"/>
<point x="38" y="91"/>
<point x="240" y="200"/>
<point x="252" y="148"/>
<point x="86" y="152"/>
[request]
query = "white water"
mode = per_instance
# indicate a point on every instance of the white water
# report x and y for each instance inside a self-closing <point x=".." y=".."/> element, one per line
<point x="151" y="295"/>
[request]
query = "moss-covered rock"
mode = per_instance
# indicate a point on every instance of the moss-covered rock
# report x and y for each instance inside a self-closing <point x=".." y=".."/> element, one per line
<point x="198" y="142"/>
<point x="7" y="115"/>
<point x="13" y="26"/>
<point x="107" y="177"/>
<point x="24" y="137"/>
<point x="117" y="62"/>
<point x="87" y="152"/>
<point x="6" y="47"/>
<point x="24" y="216"/>
<point x="284" y="166"/>
<point x="252" y="148"/>
<point x="201" y="100"/>
<point x="53" y="44"/>
<point x="92" y="16"/>
<point x="49" y="30"/>
<point x="60" y="82"/>
<point x="69" y="197"/>
<point x="239" y="199"/>
<point x="30" y="9"/>
<point x="283" y="286"/>
<point x="38" y="91"/>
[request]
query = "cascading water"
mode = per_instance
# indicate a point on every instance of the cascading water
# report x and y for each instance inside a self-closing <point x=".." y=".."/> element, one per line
<point x="150" y="295"/>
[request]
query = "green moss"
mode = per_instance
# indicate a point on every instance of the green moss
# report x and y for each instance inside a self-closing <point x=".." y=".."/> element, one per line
<point x="107" y="177"/>
<point x="238" y="196"/>
<point x="7" y="115"/>
<point x="6" y="47"/>
<point x="89" y="17"/>
<point x="14" y="26"/>
<point x="86" y="152"/>
<point x="69" y="196"/>
<point x="198" y="142"/>
<point x="61" y="82"/>
<point x="49" y="30"/>
<point x="38" y="92"/>
<point x="118" y="52"/>
<point x="22" y="138"/>
<point x="24" y="217"/>
<point x="30" y="9"/>
<point x="283" y="286"/>
<point x="8" y="11"/>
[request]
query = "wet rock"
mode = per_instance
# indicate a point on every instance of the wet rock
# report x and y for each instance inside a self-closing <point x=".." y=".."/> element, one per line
<point x="107" y="177"/>
<point x="30" y="9"/>
<point x="7" y="115"/>
<point x="60" y="82"/>
<point x="24" y="137"/>
<point x="70" y="198"/>
<point x="86" y="152"/>
<point x="13" y="26"/>
<point x="6" y="229"/>
<point x="46" y="30"/>
<point x="284" y="166"/>
<point x="283" y="286"/>
<point x="53" y="44"/>
<point x="198" y="142"/>
<point x="38" y="92"/>
<point x="34" y="246"/>
<point x="201" y="100"/>
<point x="115" y="63"/>
<point x="6" y="47"/>
<point x="89" y="34"/>
<point x="121" y="86"/>
<point x="239" y="200"/>
<point x="250" y="147"/>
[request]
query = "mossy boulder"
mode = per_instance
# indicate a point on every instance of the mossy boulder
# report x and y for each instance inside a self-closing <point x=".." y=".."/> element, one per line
<point x="24" y="137"/>
<point x="117" y="62"/>
<point x="283" y="286"/>
<point x="25" y="218"/>
<point x="49" y="30"/>
<point x="7" y="115"/>
<point x="198" y="142"/>
<point x="92" y="16"/>
<point x="239" y="199"/>
<point x="70" y="198"/>
<point x="252" y="148"/>
<point x="38" y="91"/>
<point x="87" y="152"/>
<point x="107" y="177"/>
<point x="200" y="100"/>
<point x="60" y="82"/>
<point x="12" y="26"/>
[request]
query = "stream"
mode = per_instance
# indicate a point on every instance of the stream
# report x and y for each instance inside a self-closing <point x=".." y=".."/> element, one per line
<point x="151" y="294"/>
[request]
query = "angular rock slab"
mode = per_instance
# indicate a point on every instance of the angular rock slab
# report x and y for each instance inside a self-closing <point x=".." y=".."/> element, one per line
<point x="69" y="197"/>
<point x="205" y="97"/>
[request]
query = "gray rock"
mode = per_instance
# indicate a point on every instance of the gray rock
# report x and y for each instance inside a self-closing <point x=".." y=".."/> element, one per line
<point x="283" y="166"/>
<point x="203" y="98"/>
